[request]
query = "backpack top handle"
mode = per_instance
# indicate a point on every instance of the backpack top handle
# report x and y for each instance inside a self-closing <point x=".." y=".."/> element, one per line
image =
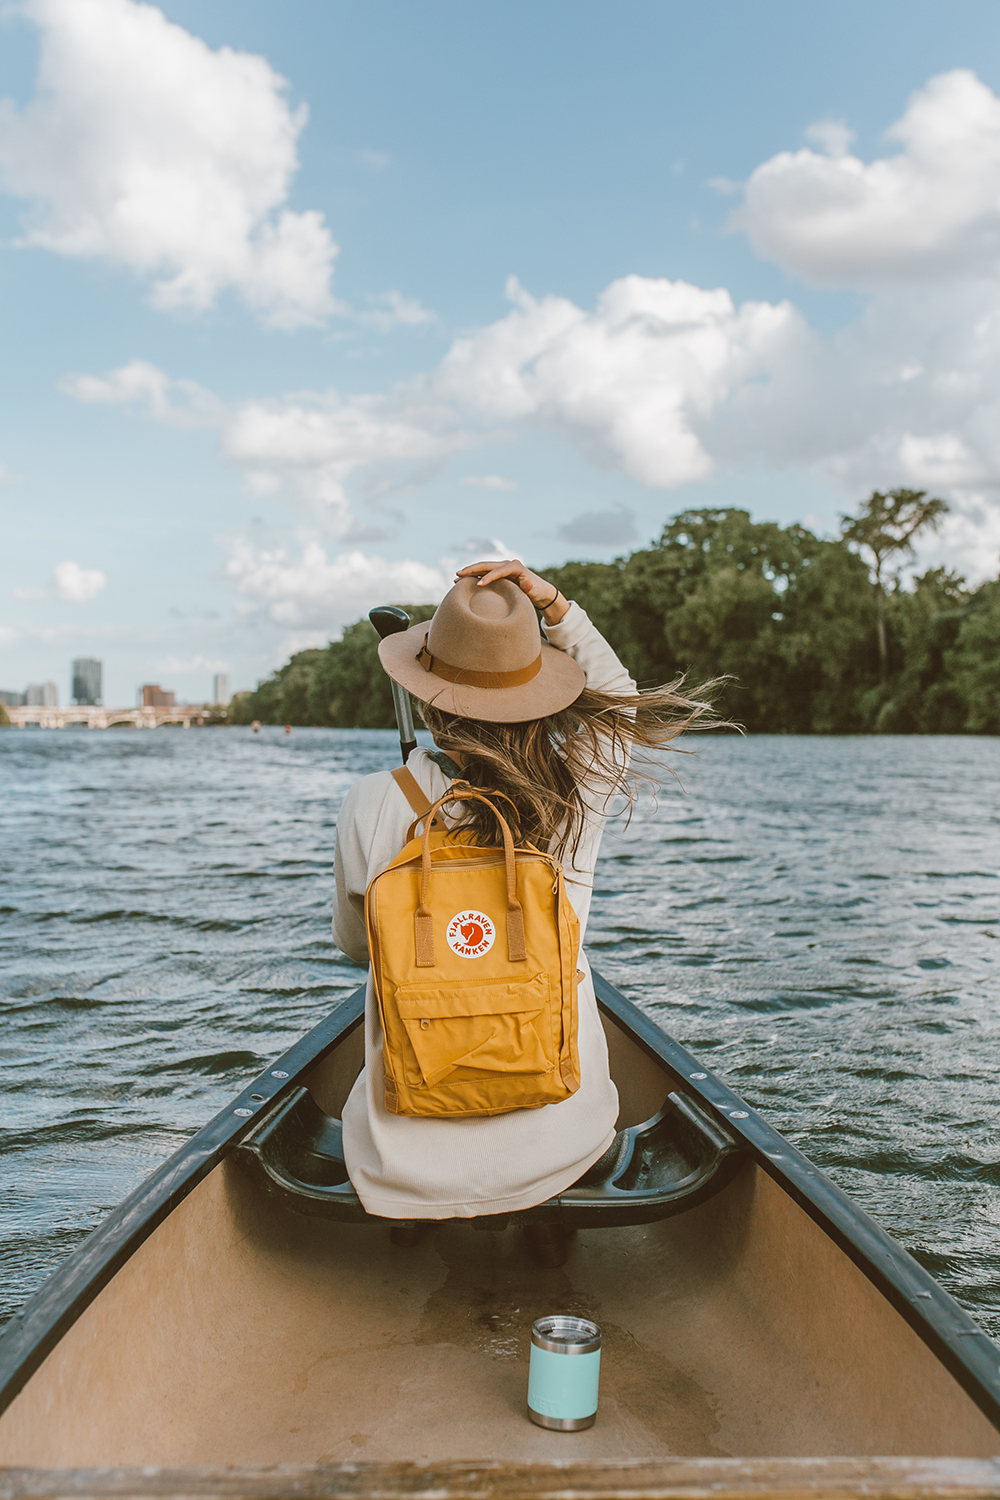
<point x="422" y="923"/>
<point x="421" y="803"/>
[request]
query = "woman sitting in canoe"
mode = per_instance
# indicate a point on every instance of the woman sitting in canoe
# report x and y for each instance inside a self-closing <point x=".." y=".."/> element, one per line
<point x="549" y="723"/>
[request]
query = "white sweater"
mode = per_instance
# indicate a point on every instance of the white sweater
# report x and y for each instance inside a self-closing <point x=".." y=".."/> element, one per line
<point x="404" y="1167"/>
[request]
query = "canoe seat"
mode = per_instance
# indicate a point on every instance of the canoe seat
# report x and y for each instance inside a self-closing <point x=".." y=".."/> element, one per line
<point x="664" y="1166"/>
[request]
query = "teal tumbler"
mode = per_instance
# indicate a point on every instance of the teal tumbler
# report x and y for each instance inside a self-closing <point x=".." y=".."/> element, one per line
<point x="564" y="1373"/>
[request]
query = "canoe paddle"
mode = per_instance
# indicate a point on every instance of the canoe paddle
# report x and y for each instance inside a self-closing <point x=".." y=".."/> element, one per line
<point x="389" y="619"/>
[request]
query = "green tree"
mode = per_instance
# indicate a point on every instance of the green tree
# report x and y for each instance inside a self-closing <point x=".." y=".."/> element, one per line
<point x="350" y="689"/>
<point x="827" y="641"/>
<point x="784" y="614"/>
<point x="240" y="709"/>
<point x="810" y="636"/>
<point x="974" y="663"/>
<point x="698" y="596"/>
<point x="885" y="527"/>
<point x="597" y="587"/>
<point x="340" y="686"/>
<point x="924" y="621"/>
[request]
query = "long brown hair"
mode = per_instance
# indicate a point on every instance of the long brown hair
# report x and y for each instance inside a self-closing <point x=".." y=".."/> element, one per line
<point x="545" y="766"/>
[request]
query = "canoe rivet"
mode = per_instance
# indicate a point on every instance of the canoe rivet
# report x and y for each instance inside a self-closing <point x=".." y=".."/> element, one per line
<point x="699" y="1075"/>
<point x="277" y="1073"/>
<point x="243" y="1113"/>
<point x="738" y="1114"/>
<point x="257" y="1098"/>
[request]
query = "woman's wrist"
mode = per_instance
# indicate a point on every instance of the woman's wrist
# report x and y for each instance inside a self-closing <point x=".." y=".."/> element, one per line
<point x="555" y="610"/>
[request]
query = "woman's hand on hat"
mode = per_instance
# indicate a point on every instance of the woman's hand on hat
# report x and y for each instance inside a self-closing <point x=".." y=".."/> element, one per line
<point x="543" y="595"/>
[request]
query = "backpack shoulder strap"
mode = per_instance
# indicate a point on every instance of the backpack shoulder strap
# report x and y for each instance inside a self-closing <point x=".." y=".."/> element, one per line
<point x="412" y="791"/>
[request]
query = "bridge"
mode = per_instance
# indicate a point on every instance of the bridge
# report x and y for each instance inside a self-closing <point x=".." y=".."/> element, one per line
<point x="93" y="717"/>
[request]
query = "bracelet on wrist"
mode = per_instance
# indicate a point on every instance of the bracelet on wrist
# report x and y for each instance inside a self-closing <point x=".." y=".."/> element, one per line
<point x="544" y="607"/>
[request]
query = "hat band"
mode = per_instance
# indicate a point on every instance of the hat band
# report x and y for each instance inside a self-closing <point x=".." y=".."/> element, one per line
<point x="468" y="678"/>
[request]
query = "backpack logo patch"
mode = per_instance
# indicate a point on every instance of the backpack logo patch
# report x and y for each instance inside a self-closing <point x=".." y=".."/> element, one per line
<point x="470" y="934"/>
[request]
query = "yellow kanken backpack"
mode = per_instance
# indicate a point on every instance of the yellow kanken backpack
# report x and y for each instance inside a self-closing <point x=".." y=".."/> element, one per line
<point x="473" y="955"/>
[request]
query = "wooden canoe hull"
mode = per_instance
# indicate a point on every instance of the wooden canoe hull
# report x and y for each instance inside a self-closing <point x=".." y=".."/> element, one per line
<point x="774" y="1319"/>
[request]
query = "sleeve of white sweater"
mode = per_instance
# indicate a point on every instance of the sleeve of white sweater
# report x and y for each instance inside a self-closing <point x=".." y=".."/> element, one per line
<point x="350" y="865"/>
<point x="579" y="637"/>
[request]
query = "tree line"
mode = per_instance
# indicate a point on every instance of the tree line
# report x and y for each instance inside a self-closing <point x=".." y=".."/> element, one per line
<point x="813" y="635"/>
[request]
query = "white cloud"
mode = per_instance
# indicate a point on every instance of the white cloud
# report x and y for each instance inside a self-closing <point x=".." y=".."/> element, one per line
<point x="968" y="539"/>
<point x="635" y="381"/>
<point x="145" y="147"/>
<point x="662" y="380"/>
<point x="71" y="584"/>
<point x="76" y="585"/>
<point x="489" y="482"/>
<point x="393" y="310"/>
<point x="638" y="382"/>
<point x="478" y="549"/>
<point x="375" y="161"/>
<point x="7" y="478"/>
<point x="183" y="403"/>
<point x="314" y="445"/>
<point x="667" y="381"/>
<point x="831" y="136"/>
<point x="310" y="446"/>
<point x="322" y="592"/>
<point x="311" y="594"/>
<point x="930" y="209"/>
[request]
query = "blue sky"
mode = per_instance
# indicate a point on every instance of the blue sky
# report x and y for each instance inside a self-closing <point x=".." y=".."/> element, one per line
<point x="595" y="263"/>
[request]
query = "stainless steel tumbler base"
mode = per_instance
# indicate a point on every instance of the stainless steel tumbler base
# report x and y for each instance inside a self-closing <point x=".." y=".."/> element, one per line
<point x="563" y="1424"/>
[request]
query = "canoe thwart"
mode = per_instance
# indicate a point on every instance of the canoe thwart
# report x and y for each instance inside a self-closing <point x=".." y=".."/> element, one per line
<point x="664" y="1166"/>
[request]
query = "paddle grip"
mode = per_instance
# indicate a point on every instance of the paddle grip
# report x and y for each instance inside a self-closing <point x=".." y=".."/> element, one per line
<point x="389" y="619"/>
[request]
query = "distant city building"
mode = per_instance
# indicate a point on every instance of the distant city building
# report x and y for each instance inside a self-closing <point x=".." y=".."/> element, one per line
<point x="42" y="695"/>
<point x="151" y="695"/>
<point x="87" y="681"/>
<point x="12" y="700"/>
<point x="220" y="687"/>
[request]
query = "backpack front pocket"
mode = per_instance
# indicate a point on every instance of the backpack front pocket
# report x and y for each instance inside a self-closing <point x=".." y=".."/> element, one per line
<point x="473" y="1028"/>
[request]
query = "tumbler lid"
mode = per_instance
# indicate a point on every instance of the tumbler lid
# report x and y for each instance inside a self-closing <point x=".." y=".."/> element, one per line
<point x="565" y="1335"/>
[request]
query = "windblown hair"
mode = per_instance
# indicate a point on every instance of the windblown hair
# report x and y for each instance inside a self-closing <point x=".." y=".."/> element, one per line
<point x="544" y="766"/>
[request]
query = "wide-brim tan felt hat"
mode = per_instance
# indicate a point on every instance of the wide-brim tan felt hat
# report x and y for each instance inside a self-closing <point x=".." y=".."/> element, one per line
<point x="482" y="657"/>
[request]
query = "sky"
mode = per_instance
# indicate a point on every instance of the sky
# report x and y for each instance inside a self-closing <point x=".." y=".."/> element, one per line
<point x="303" y="305"/>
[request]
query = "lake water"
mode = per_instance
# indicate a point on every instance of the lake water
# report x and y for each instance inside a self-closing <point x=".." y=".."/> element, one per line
<point x="819" y="919"/>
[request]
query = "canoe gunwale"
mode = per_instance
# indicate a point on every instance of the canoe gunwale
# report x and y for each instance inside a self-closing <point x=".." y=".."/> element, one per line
<point x="34" y="1332"/>
<point x="629" y="1479"/>
<point x="966" y="1352"/>
<point x="962" y="1348"/>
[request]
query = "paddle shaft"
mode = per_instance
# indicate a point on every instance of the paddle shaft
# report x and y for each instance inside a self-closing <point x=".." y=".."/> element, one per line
<point x="389" y="619"/>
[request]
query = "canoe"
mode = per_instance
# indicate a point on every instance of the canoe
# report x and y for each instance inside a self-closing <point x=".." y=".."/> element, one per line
<point x="240" y="1309"/>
